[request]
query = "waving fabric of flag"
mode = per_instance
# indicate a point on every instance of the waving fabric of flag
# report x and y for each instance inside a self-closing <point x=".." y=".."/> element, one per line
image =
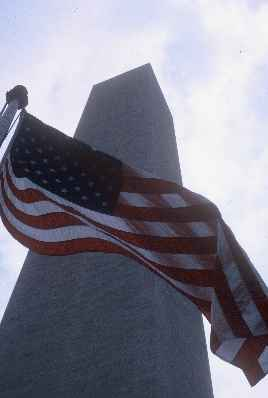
<point x="58" y="196"/>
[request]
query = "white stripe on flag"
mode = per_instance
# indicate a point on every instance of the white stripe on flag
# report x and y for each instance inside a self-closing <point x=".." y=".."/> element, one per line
<point x="229" y="348"/>
<point x="148" y="200"/>
<point x="32" y="209"/>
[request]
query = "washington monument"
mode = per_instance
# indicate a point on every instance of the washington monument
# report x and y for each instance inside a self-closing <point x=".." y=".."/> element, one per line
<point x="101" y="325"/>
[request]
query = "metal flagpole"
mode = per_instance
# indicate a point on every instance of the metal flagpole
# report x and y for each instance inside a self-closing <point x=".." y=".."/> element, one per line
<point x="16" y="99"/>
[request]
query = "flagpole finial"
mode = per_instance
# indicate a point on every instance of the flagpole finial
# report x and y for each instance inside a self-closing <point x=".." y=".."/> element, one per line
<point x="18" y="93"/>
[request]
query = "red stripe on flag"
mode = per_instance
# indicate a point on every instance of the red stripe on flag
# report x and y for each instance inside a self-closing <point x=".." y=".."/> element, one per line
<point x="247" y="358"/>
<point x="214" y="341"/>
<point x="175" y="215"/>
<point x="205" y="278"/>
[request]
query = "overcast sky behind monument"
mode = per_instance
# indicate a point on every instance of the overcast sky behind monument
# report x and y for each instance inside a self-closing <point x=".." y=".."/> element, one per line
<point x="211" y="60"/>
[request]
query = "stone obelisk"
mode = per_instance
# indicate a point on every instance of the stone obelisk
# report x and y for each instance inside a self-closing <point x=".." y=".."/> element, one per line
<point x="99" y="325"/>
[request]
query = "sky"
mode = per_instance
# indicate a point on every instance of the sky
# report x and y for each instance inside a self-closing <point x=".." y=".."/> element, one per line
<point x="211" y="60"/>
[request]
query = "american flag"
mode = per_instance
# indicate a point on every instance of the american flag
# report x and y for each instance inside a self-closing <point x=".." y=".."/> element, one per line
<point x="58" y="196"/>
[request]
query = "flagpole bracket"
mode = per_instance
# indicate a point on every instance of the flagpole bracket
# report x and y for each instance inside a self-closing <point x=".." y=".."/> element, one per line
<point x="18" y="93"/>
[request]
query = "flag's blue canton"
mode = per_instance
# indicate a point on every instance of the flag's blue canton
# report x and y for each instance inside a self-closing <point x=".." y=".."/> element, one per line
<point x="65" y="166"/>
